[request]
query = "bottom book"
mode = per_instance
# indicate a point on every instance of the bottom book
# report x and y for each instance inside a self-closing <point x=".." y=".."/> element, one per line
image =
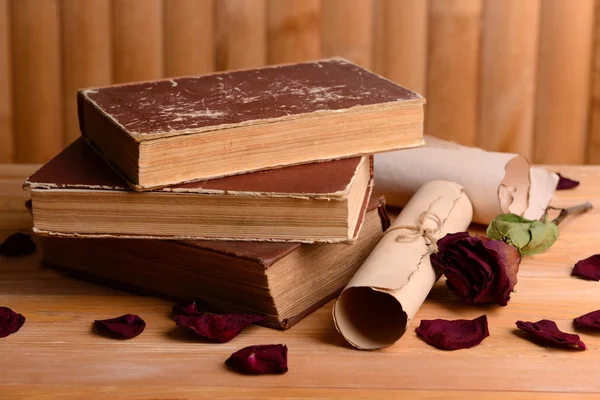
<point x="283" y="281"/>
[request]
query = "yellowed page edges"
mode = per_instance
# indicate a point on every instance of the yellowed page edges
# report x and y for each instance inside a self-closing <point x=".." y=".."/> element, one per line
<point x="496" y="183"/>
<point x="378" y="304"/>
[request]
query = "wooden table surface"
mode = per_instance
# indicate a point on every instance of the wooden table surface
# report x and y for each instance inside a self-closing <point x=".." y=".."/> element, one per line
<point x="55" y="354"/>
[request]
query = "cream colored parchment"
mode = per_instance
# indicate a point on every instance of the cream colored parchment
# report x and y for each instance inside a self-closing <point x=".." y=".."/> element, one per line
<point x="376" y="307"/>
<point x="496" y="183"/>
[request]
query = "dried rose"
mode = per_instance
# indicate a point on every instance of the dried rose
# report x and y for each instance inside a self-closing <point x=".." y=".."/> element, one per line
<point x="217" y="327"/>
<point x="529" y="237"/>
<point x="590" y="320"/>
<point x="18" y="244"/>
<point x="588" y="269"/>
<point x="261" y="359"/>
<point x="566" y="183"/>
<point x="10" y="321"/>
<point x="546" y="332"/>
<point x="453" y="335"/>
<point x="478" y="270"/>
<point x="186" y="309"/>
<point x="126" y="326"/>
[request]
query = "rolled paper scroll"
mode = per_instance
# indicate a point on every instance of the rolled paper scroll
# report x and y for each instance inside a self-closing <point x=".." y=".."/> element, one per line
<point x="496" y="183"/>
<point x="376" y="307"/>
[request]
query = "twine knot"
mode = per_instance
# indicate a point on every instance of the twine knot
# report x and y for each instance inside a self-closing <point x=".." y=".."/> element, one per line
<point x="411" y="232"/>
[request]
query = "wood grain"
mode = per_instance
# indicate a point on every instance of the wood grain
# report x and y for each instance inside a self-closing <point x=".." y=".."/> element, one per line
<point x="452" y="70"/>
<point x="507" y="75"/>
<point x="347" y="30"/>
<point x="294" y="30"/>
<point x="6" y="124"/>
<point x="400" y="42"/>
<point x="137" y="40"/>
<point x="593" y="137"/>
<point x="56" y="356"/>
<point x="189" y="37"/>
<point x="37" y="105"/>
<point x="86" y="55"/>
<point x="563" y="81"/>
<point x="241" y="34"/>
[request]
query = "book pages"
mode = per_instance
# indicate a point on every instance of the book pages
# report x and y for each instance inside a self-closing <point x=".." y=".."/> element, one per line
<point x="378" y="304"/>
<point x="496" y="183"/>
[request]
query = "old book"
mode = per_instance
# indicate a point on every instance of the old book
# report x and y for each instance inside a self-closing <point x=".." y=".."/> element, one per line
<point x="170" y="131"/>
<point x="283" y="281"/>
<point x="78" y="194"/>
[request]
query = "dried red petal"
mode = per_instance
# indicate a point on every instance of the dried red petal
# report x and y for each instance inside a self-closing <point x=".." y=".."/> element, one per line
<point x="217" y="327"/>
<point x="588" y="269"/>
<point x="187" y="309"/>
<point x="261" y="359"/>
<point x="126" y="326"/>
<point x="566" y="183"/>
<point x="16" y="245"/>
<point x="588" y="321"/>
<point x="478" y="270"/>
<point x="10" y="321"/>
<point x="453" y="335"/>
<point x="546" y="332"/>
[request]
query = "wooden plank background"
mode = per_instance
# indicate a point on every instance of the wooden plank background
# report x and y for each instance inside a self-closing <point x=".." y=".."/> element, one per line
<point x="507" y="75"/>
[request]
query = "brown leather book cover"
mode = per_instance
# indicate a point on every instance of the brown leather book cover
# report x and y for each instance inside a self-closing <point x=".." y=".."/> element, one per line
<point x="212" y="271"/>
<point x="80" y="168"/>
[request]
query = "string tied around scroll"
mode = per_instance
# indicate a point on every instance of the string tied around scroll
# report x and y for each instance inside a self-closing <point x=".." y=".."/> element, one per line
<point x="411" y="232"/>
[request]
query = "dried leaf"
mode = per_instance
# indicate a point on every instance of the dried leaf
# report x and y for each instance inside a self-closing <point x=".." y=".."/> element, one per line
<point x="453" y="335"/>
<point x="588" y="321"/>
<point x="588" y="268"/>
<point x="126" y="326"/>
<point x="217" y="327"/>
<point x="261" y="359"/>
<point x="528" y="236"/>
<point x="478" y="270"/>
<point x="16" y="245"/>
<point x="546" y="332"/>
<point x="10" y="321"/>
<point x="566" y="183"/>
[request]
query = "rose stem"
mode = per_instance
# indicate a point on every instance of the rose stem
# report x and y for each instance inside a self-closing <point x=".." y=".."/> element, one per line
<point x="578" y="209"/>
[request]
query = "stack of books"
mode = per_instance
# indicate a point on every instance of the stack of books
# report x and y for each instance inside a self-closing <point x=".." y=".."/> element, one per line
<point x="247" y="190"/>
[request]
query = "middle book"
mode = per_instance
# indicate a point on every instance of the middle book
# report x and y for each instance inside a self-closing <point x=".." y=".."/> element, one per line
<point x="77" y="194"/>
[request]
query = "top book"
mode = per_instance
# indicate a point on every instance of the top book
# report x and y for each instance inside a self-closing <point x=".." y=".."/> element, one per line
<point x="172" y="131"/>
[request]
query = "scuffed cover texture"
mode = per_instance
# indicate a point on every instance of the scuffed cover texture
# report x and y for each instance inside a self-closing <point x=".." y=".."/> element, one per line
<point x="177" y="106"/>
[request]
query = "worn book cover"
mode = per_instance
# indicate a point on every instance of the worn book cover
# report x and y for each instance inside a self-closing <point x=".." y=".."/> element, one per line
<point x="77" y="194"/>
<point x="170" y="131"/>
<point x="283" y="281"/>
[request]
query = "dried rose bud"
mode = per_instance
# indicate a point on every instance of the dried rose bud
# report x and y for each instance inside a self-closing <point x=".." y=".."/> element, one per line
<point x="10" y="321"/>
<point x="565" y="183"/>
<point x="261" y="359"/>
<point x="187" y="309"/>
<point x="588" y="268"/>
<point x="478" y="270"/>
<point x="126" y="326"/>
<point x="453" y="335"/>
<point x="18" y="244"/>
<point x="217" y="327"/>
<point x="588" y="321"/>
<point x="546" y="332"/>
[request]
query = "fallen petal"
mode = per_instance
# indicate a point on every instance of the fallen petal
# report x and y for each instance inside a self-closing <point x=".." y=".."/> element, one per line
<point x="126" y="326"/>
<point x="217" y="327"/>
<point x="588" y="269"/>
<point x="18" y="244"/>
<point x="10" y="321"/>
<point x="546" y="332"/>
<point x="565" y="183"/>
<point x="455" y="334"/>
<point x="588" y="321"/>
<point x="261" y="359"/>
<point x="187" y="309"/>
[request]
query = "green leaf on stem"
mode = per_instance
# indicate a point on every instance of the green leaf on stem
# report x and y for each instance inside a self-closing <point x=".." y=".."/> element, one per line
<point x="528" y="236"/>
